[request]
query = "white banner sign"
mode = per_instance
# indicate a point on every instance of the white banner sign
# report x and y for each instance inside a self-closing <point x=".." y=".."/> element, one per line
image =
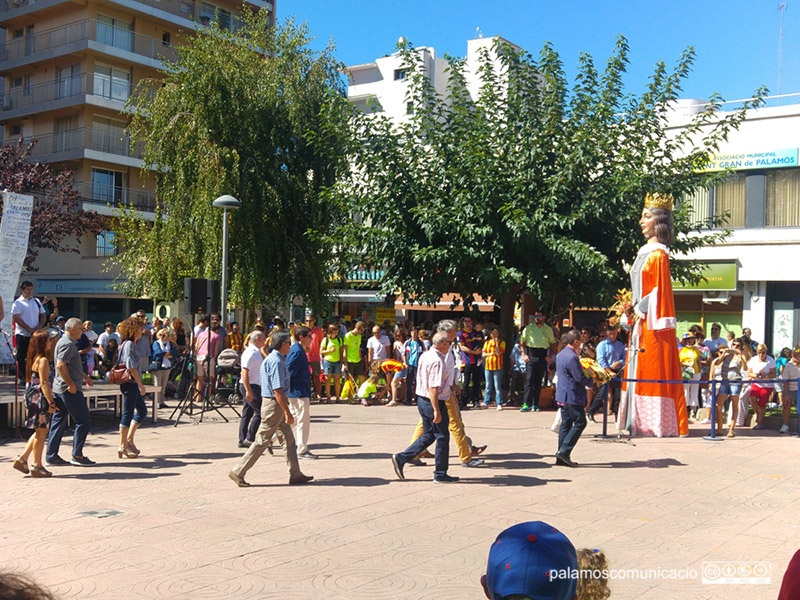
<point x="14" y="231"/>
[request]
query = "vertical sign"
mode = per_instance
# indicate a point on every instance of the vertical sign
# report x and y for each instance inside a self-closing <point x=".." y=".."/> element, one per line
<point x="782" y="326"/>
<point x="14" y="231"/>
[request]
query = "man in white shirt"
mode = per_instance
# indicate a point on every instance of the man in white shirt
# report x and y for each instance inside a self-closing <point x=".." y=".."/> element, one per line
<point x="377" y="349"/>
<point x="28" y="315"/>
<point x="106" y="336"/>
<point x="250" y="389"/>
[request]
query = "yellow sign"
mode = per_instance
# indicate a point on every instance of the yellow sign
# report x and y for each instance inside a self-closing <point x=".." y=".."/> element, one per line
<point x="383" y="313"/>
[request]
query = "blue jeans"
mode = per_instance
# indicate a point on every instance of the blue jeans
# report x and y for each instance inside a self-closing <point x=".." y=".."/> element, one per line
<point x="494" y="383"/>
<point x="75" y="406"/>
<point x="438" y="432"/>
<point x="573" y="422"/>
<point x="132" y="400"/>
<point x="251" y="413"/>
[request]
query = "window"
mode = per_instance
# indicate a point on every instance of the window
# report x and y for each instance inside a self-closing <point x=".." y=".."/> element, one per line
<point x="30" y="41"/>
<point x="209" y="12"/>
<point x="699" y="201"/>
<point x="409" y="108"/>
<point x="28" y="85"/>
<point x="115" y="32"/>
<point x="111" y="83"/>
<point x="783" y="198"/>
<point x="65" y="136"/>
<point x="730" y="197"/>
<point x="165" y="38"/>
<point x="109" y="136"/>
<point x="16" y="129"/>
<point x="16" y="82"/>
<point x="400" y="74"/>
<point x="108" y="186"/>
<point x="18" y="33"/>
<point x="105" y="244"/>
<point x="187" y="9"/>
<point x="69" y="82"/>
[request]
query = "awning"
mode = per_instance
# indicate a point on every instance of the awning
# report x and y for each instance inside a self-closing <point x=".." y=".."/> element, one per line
<point x="445" y="303"/>
<point x="357" y="296"/>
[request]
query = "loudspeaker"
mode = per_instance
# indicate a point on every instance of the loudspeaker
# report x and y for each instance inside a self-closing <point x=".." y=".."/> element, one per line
<point x="201" y="295"/>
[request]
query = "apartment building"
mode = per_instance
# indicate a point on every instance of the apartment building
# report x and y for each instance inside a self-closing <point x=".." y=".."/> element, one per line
<point x="68" y="68"/>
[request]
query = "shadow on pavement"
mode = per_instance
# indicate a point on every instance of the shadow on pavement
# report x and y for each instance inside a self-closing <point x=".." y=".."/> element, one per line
<point x="656" y="463"/>
<point x="114" y="475"/>
<point x="330" y="446"/>
<point x="511" y="480"/>
<point x="338" y="482"/>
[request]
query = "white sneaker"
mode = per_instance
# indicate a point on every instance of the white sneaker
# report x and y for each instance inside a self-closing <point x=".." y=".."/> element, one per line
<point x="784" y="429"/>
<point x="499" y="407"/>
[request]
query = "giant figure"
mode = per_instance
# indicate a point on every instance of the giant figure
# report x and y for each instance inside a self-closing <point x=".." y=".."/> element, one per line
<point x="654" y="409"/>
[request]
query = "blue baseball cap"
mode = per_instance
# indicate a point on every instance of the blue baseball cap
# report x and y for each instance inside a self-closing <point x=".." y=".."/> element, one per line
<point x="532" y="559"/>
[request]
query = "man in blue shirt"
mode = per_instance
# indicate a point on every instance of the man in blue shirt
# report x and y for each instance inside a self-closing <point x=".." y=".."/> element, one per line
<point x="276" y="417"/>
<point x="610" y="355"/>
<point x="300" y="389"/>
<point x="571" y="396"/>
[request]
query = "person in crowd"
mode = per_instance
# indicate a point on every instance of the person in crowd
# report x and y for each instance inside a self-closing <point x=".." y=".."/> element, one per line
<point x="412" y="350"/>
<point x="352" y="342"/>
<point x="425" y="338"/>
<point x="377" y="348"/>
<point x="730" y="336"/>
<point x="727" y="369"/>
<point x="398" y="346"/>
<point x="179" y="335"/>
<point x="761" y="367"/>
<point x="747" y="337"/>
<point x="788" y="390"/>
<point x="313" y="355"/>
<point x="91" y="335"/>
<point x="689" y="355"/>
<point x="110" y="358"/>
<point x="713" y="342"/>
<point x="518" y="368"/>
<point x="587" y="335"/>
<point x="164" y="354"/>
<point x="300" y="390"/>
<point x="144" y="343"/>
<point x="746" y="353"/>
<point x="531" y="560"/>
<point x="84" y="346"/>
<point x="394" y="372"/>
<point x="538" y="345"/>
<point x="332" y="351"/>
<point x="70" y="401"/>
<point x="28" y="315"/>
<point x="276" y="416"/>
<point x="592" y="575"/>
<point x="250" y="388"/>
<point x="433" y="379"/>
<point x="202" y="325"/>
<point x="369" y="392"/>
<point x="236" y="338"/>
<point x="480" y="339"/>
<point x="611" y="356"/>
<point x="470" y="355"/>
<point x="39" y="400"/>
<point x="20" y="587"/>
<point x="493" y="351"/>
<point x="206" y="348"/>
<point x="104" y="338"/>
<point x="705" y="364"/>
<point x="790" y="586"/>
<point x="131" y="331"/>
<point x="216" y="318"/>
<point x="571" y="396"/>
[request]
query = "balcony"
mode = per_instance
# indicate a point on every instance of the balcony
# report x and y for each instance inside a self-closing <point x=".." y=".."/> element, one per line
<point x="91" y="88"/>
<point x="105" y="195"/>
<point x="84" y="142"/>
<point x="178" y="12"/>
<point x="82" y="35"/>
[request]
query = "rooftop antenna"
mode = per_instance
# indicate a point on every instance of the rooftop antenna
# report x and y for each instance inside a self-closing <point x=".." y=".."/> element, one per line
<point x="781" y="10"/>
<point x="478" y="33"/>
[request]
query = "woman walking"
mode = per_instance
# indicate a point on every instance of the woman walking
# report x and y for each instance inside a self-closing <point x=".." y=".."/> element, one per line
<point x="132" y="390"/>
<point x="39" y="401"/>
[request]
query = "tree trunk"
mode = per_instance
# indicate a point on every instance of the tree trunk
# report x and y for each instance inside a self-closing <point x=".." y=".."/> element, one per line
<point x="508" y="302"/>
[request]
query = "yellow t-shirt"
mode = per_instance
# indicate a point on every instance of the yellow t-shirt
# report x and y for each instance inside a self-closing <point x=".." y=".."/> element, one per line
<point x="690" y="357"/>
<point x="328" y="343"/>
<point x="367" y="388"/>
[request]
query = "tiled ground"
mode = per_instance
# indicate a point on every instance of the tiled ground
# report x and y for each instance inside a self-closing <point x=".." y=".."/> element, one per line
<point x="186" y="531"/>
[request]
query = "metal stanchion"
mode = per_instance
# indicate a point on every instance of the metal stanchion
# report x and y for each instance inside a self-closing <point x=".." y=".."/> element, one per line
<point x="713" y="437"/>
<point x="604" y="435"/>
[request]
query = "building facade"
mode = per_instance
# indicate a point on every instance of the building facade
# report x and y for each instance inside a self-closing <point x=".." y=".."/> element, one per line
<point x="68" y="69"/>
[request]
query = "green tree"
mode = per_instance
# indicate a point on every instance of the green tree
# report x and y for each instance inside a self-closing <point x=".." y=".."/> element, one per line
<point x="532" y="185"/>
<point x="256" y="114"/>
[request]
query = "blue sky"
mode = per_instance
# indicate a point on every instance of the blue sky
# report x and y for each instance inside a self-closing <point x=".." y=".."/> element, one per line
<point x="736" y="40"/>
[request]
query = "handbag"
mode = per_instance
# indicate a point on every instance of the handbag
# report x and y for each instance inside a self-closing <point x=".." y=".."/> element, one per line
<point x="119" y="375"/>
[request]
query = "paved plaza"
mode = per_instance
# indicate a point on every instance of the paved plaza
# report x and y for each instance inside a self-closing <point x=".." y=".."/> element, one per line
<point x="184" y="530"/>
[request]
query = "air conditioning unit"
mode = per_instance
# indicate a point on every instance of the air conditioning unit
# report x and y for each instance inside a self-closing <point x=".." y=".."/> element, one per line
<point x="722" y="297"/>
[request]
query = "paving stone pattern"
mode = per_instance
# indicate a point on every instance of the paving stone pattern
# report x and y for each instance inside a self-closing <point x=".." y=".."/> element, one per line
<point x="186" y="531"/>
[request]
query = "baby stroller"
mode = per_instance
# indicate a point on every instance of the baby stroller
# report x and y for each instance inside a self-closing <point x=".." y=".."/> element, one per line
<point x="228" y="372"/>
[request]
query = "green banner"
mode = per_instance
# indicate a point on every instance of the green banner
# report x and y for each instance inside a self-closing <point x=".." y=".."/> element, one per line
<point x="719" y="276"/>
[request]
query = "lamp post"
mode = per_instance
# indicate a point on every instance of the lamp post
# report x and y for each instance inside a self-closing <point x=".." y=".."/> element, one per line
<point x="225" y="203"/>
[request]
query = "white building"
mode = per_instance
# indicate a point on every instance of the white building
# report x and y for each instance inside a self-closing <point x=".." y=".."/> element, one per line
<point x="754" y="277"/>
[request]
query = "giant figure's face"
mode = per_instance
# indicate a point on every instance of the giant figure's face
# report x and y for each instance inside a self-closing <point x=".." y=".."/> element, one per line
<point x="648" y="224"/>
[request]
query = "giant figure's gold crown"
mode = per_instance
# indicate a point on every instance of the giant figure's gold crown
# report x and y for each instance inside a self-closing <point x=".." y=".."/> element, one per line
<point x="657" y="200"/>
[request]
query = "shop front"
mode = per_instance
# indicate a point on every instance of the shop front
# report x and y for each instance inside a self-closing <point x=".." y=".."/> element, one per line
<point x="719" y="298"/>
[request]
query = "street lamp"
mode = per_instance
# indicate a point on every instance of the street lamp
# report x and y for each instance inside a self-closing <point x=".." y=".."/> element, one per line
<point x="225" y="203"/>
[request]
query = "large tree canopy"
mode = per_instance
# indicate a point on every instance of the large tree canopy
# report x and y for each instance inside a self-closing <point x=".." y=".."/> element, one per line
<point x="255" y="114"/>
<point x="58" y="220"/>
<point x="532" y="184"/>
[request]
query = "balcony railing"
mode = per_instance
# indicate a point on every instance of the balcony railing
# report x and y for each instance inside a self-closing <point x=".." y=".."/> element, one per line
<point x="187" y="9"/>
<point x="100" y="140"/>
<point x="92" y="84"/>
<point x="99" y="194"/>
<point x="88" y="29"/>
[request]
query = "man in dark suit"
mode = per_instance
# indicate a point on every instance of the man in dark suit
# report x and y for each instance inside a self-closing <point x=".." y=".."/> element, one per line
<point x="571" y="397"/>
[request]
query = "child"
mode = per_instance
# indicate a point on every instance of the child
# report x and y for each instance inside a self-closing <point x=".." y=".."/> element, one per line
<point x="369" y="392"/>
<point x="593" y="575"/>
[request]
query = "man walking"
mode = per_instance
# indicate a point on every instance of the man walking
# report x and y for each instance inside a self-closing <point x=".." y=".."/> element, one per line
<point x="300" y="390"/>
<point x="611" y="356"/>
<point x="535" y="342"/>
<point x="571" y="396"/>
<point x="250" y="388"/>
<point x="432" y="379"/>
<point x="276" y="416"/>
<point x="68" y="393"/>
<point x="28" y="315"/>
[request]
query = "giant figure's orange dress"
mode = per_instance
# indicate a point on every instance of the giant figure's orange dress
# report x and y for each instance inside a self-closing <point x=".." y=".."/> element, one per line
<point x="653" y="409"/>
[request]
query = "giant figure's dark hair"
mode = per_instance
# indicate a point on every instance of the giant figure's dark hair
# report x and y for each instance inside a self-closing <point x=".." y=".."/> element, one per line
<point x="665" y="226"/>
